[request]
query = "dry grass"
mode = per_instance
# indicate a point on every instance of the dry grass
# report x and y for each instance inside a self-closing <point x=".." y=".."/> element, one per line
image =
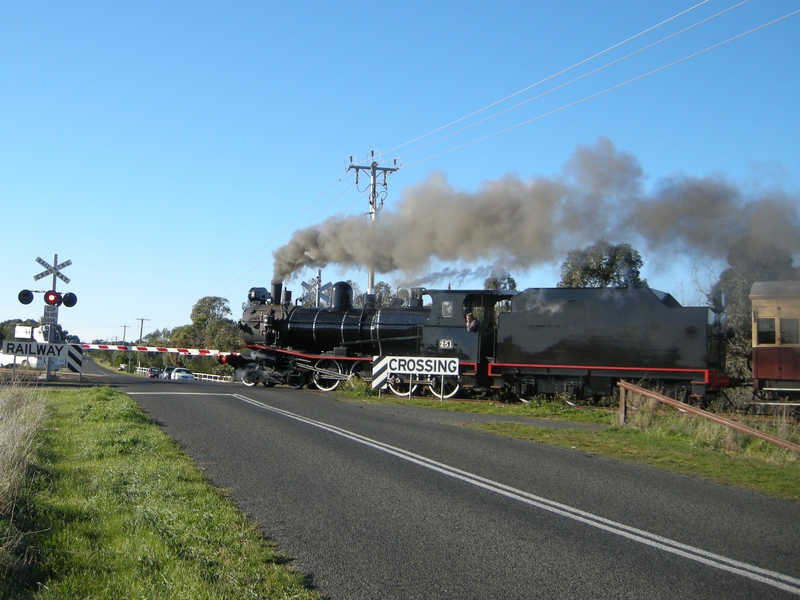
<point x="651" y="416"/>
<point x="22" y="412"/>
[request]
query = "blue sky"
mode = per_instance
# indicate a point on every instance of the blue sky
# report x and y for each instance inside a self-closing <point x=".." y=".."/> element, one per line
<point x="168" y="148"/>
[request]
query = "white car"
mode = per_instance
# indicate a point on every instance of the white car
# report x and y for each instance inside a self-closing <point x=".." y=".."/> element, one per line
<point x="181" y="373"/>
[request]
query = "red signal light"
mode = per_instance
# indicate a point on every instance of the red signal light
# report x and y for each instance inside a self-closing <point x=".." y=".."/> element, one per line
<point x="53" y="298"/>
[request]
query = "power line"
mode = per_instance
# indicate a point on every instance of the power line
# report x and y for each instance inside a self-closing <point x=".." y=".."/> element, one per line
<point x="548" y="78"/>
<point x="570" y="82"/>
<point x="609" y="89"/>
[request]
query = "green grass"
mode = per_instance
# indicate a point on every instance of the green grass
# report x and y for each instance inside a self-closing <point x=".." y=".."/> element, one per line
<point x="541" y="409"/>
<point x="114" y="509"/>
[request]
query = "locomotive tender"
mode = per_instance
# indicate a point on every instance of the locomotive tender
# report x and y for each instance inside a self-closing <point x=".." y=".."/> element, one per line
<point x="538" y="341"/>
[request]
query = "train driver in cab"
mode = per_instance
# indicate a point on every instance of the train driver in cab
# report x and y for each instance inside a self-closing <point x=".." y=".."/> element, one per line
<point x="473" y="324"/>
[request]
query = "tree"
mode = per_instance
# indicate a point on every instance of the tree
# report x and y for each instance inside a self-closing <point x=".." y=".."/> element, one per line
<point x="503" y="283"/>
<point x="383" y="293"/>
<point x="208" y="309"/>
<point x="358" y="296"/>
<point x="749" y="260"/>
<point x="210" y="328"/>
<point x="603" y="265"/>
<point x="7" y="327"/>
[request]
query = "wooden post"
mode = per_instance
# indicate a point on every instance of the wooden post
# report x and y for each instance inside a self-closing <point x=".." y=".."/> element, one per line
<point x="622" y="407"/>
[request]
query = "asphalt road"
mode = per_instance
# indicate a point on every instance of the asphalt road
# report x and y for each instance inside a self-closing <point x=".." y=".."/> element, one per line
<point x="381" y="501"/>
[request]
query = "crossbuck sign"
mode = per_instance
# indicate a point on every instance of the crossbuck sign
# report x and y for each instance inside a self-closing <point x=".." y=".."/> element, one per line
<point x="52" y="269"/>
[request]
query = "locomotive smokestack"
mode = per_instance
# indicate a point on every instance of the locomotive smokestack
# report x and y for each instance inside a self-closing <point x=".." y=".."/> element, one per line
<point x="277" y="287"/>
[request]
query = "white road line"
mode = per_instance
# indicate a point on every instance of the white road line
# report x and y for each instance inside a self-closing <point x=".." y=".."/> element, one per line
<point x="778" y="580"/>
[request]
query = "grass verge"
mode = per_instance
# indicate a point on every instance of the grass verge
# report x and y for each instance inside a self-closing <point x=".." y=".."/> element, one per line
<point x="114" y="509"/>
<point x="539" y="408"/>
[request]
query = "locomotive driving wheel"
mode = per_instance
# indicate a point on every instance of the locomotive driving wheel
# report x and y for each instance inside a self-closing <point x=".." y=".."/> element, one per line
<point x="359" y="369"/>
<point x="296" y="379"/>
<point x="250" y="375"/>
<point x="399" y="385"/>
<point x="450" y="389"/>
<point x="324" y="381"/>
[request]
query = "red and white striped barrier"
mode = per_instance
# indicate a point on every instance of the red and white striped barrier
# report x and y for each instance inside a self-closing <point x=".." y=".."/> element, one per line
<point x="126" y="348"/>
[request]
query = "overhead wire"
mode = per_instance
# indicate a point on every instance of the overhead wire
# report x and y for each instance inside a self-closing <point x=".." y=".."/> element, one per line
<point x="609" y="89"/>
<point x="549" y="77"/>
<point x="574" y="80"/>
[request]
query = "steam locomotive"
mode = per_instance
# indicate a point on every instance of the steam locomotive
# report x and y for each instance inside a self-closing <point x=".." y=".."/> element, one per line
<point x="538" y="341"/>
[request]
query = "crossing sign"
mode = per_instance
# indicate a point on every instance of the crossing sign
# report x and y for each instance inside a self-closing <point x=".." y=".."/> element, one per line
<point x="50" y="270"/>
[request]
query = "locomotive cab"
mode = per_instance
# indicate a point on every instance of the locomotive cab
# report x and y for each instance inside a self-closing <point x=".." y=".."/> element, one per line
<point x="445" y="332"/>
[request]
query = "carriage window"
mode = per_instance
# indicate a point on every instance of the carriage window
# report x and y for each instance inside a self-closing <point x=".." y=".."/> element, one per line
<point x="766" y="331"/>
<point x="790" y="331"/>
<point x="447" y="308"/>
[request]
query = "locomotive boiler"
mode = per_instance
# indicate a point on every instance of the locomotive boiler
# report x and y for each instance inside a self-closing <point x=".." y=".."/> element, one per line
<point x="538" y="341"/>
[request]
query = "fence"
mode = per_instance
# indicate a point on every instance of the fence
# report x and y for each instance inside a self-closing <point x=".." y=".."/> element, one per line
<point x="699" y="412"/>
<point x="200" y="376"/>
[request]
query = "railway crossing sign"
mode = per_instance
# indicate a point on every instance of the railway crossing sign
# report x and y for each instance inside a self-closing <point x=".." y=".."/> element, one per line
<point x="52" y="299"/>
<point x="315" y="292"/>
<point x="52" y="270"/>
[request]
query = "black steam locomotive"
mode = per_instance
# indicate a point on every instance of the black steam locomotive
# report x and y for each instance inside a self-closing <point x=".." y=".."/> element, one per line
<point x="539" y="341"/>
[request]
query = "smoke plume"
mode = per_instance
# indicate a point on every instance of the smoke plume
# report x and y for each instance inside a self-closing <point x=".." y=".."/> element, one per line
<point x="526" y="223"/>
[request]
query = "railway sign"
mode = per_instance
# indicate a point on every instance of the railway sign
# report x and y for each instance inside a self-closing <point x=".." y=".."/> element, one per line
<point x="71" y="354"/>
<point x="52" y="270"/>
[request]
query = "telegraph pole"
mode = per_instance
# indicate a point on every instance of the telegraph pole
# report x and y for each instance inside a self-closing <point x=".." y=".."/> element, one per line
<point x="141" y="327"/>
<point x="375" y="200"/>
<point x="141" y="330"/>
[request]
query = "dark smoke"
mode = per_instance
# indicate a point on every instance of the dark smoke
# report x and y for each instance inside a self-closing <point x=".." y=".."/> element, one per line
<point x="454" y="276"/>
<point x="528" y="223"/>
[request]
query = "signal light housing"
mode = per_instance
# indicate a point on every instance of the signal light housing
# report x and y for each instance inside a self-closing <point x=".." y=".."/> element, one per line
<point x="70" y="299"/>
<point x="53" y="298"/>
<point x="25" y="296"/>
